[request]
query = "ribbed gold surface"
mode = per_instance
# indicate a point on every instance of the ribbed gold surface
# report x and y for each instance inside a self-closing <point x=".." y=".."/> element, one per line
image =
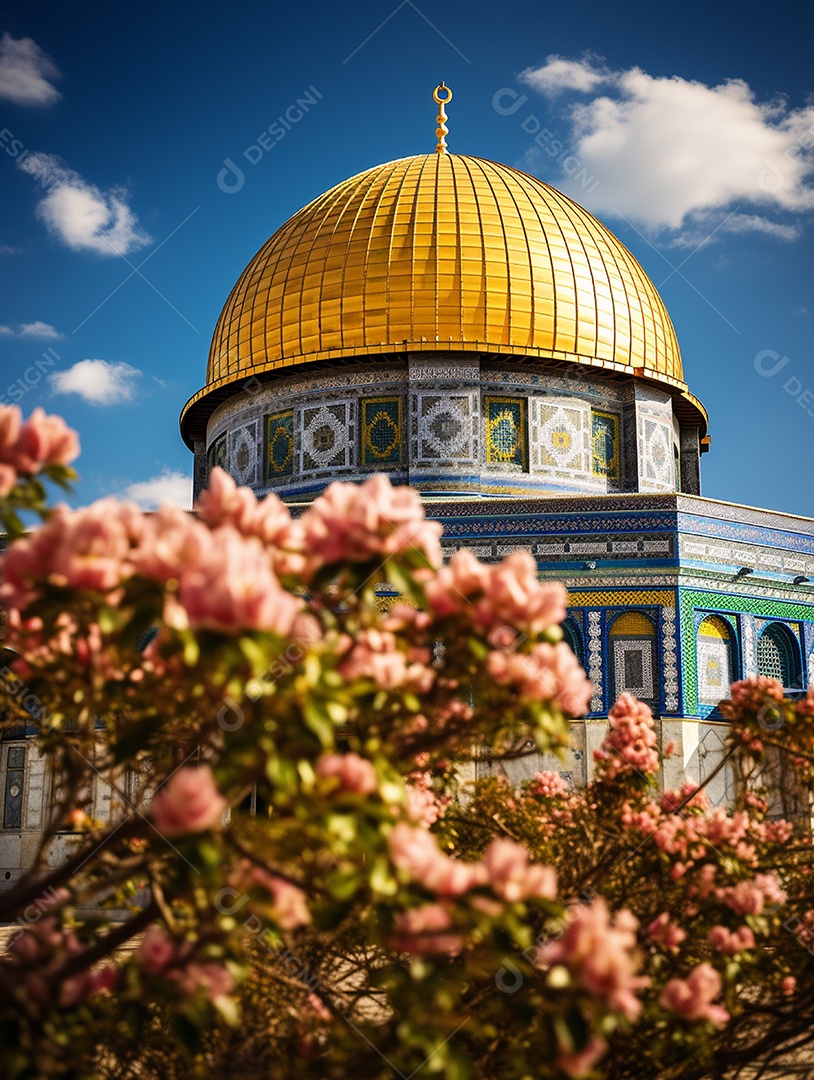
<point x="449" y="249"/>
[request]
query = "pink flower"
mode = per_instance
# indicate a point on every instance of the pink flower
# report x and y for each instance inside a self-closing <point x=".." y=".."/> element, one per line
<point x="514" y="594"/>
<point x="577" y="1063"/>
<point x="214" y="980"/>
<point x="692" y="998"/>
<point x="370" y="521"/>
<point x="415" y="851"/>
<point x="788" y="986"/>
<point x="422" y="930"/>
<point x="41" y="441"/>
<point x="424" y="807"/>
<point x="630" y="744"/>
<point x="731" y="942"/>
<point x="546" y="673"/>
<point x="600" y="952"/>
<point x="269" y="519"/>
<point x="374" y="654"/>
<point x="751" y="693"/>
<point x="512" y="877"/>
<point x="354" y="773"/>
<point x="750" y="897"/>
<point x="157" y="950"/>
<point x="232" y="587"/>
<point x="288" y="900"/>
<point x="44" y="440"/>
<point x="667" y="933"/>
<point x="549" y="785"/>
<point x="189" y="802"/>
<point x="89" y="548"/>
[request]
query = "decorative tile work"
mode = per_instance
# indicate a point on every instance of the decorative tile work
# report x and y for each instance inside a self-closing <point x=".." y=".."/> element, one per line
<point x="595" y="659"/>
<point x="605" y="445"/>
<point x="445" y="427"/>
<point x="620" y="598"/>
<point x="560" y="437"/>
<point x="714" y="670"/>
<point x="633" y="668"/>
<point x="279" y="445"/>
<point x="669" y="659"/>
<point x="749" y="644"/>
<point x="327" y="436"/>
<point x="382" y="431"/>
<point x="658" y="454"/>
<point x="706" y="601"/>
<point x="243" y="454"/>
<point x="505" y="431"/>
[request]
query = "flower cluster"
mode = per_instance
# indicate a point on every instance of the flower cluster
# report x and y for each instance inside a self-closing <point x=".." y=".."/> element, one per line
<point x="692" y="998"/>
<point x="189" y="802"/>
<point x="505" y="868"/>
<point x="28" y="448"/>
<point x="630" y="745"/>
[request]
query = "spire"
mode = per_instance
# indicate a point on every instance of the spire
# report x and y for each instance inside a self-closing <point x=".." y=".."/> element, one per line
<point x="442" y="130"/>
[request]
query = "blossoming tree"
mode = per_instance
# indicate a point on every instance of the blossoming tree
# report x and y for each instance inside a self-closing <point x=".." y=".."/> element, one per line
<point x="310" y="891"/>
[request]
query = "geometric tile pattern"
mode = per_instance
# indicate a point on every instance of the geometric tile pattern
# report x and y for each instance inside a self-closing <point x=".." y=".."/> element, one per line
<point x="658" y="454"/>
<point x="382" y="430"/>
<point x="445" y="427"/>
<point x="327" y="440"/>
<point x="669" y="659"/>
<point x="505" y="431"/>
<point x="633" y="667"/>
<point x="561" y="438"/>
<point x="605" y="445"/>
<point x="279" y="445"/>
<point x="243" y="455"/>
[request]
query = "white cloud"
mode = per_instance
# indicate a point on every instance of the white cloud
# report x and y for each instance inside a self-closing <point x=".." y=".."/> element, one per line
<point x="7" y="249"/>
<point x="668" y="151"/>
<point x="41" y="330"/>
<point x="98" y="382"/>
<point x="170" y="487"/>
<point x="79" y="213"/>
<point x="38" y="329"/>
<point x="26" y="72"/>
<point x="558" y="74"/>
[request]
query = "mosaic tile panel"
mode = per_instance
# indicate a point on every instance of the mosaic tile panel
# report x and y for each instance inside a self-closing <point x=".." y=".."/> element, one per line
<point x="669" y="659"/>
<point x="505" y="431"/>
<point x="560" y="436"/>
<point x="382" y="429"/>
<point x="243" y="454"/>
<point x="714" y="670"/>
<point x="445" y="428"/>
<point x="605" y="460"/>
<point x="279" y="445"/>
<point x="595" y="673"/>
<point x="657" y="453"/>
<point x="633" y="668"/>
<point x="327" y="436"/>
<point x="706" y="601"/>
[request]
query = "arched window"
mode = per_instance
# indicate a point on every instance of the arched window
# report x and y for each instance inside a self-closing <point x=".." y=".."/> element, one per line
<point x="778" y="656"/>
<point x="573" y="638"/>
<point x="714" y="649"/>
<point x="632" y="639"/>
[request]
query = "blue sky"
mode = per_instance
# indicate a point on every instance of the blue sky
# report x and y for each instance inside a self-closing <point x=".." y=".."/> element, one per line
<point x="689" y="130"/>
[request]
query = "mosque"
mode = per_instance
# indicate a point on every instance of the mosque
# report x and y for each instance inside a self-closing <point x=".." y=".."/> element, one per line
<point x="467" y="329"/>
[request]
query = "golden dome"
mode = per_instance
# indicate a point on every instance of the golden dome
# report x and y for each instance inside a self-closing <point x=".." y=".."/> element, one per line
<point x="441" y="252"/>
